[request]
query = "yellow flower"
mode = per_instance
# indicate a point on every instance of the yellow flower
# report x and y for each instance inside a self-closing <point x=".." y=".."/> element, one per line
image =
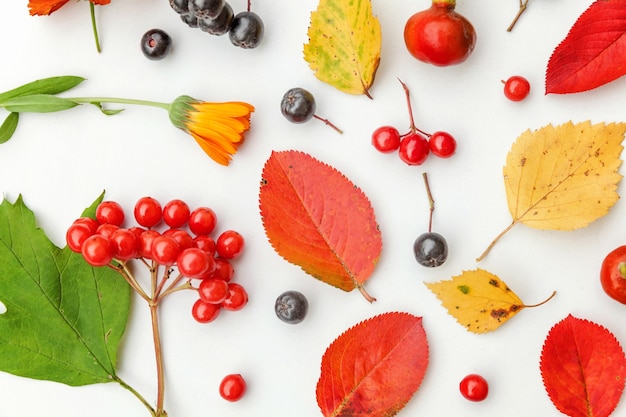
<point x="217" y="127"/>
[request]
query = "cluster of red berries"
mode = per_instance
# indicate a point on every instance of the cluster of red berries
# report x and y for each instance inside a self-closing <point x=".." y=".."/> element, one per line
<point x="186" y="244"/>
<point x="414" y="146"/>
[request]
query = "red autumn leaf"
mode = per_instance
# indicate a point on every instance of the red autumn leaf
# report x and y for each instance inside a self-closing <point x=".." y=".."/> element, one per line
<point x="374" y="368"/>
<point x="315" y="218"/>
<point x="583" y="368"/>
<point x="594" y="51"/>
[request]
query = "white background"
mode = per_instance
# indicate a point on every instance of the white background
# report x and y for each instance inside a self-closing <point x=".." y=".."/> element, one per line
<point x="61" y="162"/>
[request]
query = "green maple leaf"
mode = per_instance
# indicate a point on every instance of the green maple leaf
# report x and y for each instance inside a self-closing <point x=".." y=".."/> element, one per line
<point x="63" y="320"/>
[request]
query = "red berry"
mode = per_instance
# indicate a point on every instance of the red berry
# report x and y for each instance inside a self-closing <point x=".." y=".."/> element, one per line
<point x="110" y="212"/>
<point x="442" y="144"/>
<point x="236" y="299"/>
<point x="414" y="149"/>
<point x="474" y="387"/>
<point x="194" y="262"/>
<point x="165" y="250"/>
<point x="181" y="236"/>
<point x="97" y="251"/>
<point x="148" y="212"/>
<point x="204" y="242"/>
<point x="613" y="274"/>
<point x="386" y="139"/>
<point x="107" y="230"/>
<point x="176" y="213"/>
<point x="213" y="290"/>
<point x="229" y="244"/>
<point x="145" y="243"/>
<point x="76" y="235"/>
<point x="205" y="312"/>
<point x="439" y="35"/>
<point x="232" y="387"/>
<point x="223" y="270"/>
<point x="202" y="221"/>
<point x="516" y="88"/>
<point x="124" y="244"/>
<point x="92" y="224"/>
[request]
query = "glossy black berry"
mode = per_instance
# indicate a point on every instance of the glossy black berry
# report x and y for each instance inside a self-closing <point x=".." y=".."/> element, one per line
<point x="156" y="44"/>
<point x="189" y="19"/>
<point x="291" y="307"/>
<point x="246" y="30"/>
<point x="431" y="249"/>
<point x="206" y="9"/>
<point x="298" y="105"/>
<point x="220" y="25"/>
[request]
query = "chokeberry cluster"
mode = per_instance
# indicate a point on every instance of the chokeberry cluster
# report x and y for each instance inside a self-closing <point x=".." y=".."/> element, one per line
<point x="415" y="145"/>
<point x="177" y="244"/>
<point x="216" y="17"/>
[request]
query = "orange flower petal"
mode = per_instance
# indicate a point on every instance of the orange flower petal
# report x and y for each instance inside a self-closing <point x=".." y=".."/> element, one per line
<point x="217" y="153"/>
<point x="45" y="7"/>
<point x="100" y="2"/>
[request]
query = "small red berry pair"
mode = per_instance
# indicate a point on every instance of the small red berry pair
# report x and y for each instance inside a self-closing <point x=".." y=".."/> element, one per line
<point x="414" y="146"/>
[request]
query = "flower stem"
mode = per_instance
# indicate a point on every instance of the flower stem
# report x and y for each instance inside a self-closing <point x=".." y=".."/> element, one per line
<point x="118" y="100"/>
<point x="92" y="11"/>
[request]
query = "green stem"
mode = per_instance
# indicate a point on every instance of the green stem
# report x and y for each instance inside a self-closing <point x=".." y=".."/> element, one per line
<point x="136" y="394"/>
<point x="118" y="100"/>
<point x="92" y="11"/>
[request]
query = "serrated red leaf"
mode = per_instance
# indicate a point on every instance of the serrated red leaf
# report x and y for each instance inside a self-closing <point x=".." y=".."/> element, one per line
<point x="374" y="368"/>
<point x="316" y="218"/>
<point x="594" y="51"/>
<point x="583" y="368"/>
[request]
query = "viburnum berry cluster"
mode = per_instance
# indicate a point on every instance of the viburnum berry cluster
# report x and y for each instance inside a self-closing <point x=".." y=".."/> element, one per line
<point x="415" y="145"/>
<point x="175" y="243"/>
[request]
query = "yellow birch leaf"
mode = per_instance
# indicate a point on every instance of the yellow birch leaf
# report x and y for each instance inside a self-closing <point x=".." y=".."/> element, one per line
<point x="563" y="177"/>
<point x="344" y="45"/>
<point x="479" y="300"/>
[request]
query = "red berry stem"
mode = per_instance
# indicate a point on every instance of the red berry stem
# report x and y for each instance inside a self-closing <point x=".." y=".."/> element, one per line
<point x="522" y="7"/>
<point x="412" y="127"/>
<point x="431" y="202"/>
<point x="328" y="123"/>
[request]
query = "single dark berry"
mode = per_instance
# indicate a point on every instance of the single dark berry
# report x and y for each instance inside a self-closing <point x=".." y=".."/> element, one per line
<point x="430" y="249"/>
<point x="180" y="6"/>
<point x="206" y="9"/>
<point x="291" y="307"/>
<point x="298" y="105"/>
<point x="156" y="44"/>
<point x="220" y="25"/>
<point x="246" y="30"/>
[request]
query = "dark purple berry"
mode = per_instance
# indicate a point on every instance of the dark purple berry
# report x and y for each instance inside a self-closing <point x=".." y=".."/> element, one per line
<point x="189" y="19"/>
<point x="180" y="6"/>
<point x="156" y="44"/>
<point x="430" y="249"/>
<point x="206" y="9"/>
<point x="298" y="105"/>
<point x="246" y="30"/>
<point x="220" y="25"/>
<point x="291" y="307"/>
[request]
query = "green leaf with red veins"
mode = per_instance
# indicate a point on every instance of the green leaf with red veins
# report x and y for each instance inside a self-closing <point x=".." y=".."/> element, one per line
<point x="63" y="320"/>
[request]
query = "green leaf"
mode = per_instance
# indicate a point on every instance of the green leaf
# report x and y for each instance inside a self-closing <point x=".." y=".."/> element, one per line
<point x="52" y="85"/>
<point x="8" y="127"/>
<point x="64" y="319"/>
<point x="38" y="103"/>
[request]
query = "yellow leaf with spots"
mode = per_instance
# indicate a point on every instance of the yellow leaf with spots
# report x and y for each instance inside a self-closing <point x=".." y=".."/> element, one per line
<point x="479" y="300"/>
<point x="563" y="177"/>
<point x="344" y="44"/>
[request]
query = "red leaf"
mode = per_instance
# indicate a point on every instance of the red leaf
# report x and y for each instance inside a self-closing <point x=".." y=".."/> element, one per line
<point x="374" y="368"/>
<point x="594" y="51"/>
<point x="315" y="218"/>
<point x="583" y="368"/>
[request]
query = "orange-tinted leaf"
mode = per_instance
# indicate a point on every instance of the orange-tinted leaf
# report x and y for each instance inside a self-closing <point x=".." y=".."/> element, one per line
<point x="594" y="51"/>
<point x="374" y="368"/>
<point x="316" y="218"/>
<point x="583" y="368"/>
